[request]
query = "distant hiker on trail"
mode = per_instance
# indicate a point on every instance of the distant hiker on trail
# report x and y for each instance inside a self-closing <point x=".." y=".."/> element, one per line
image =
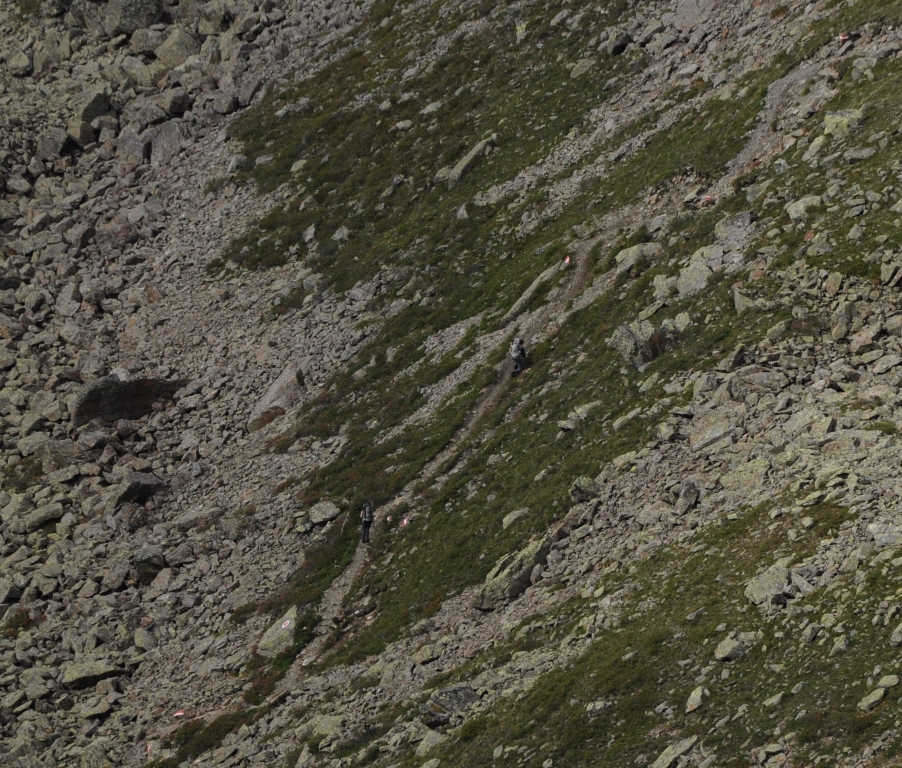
<point x="366" y="520"/>
<point x="518" y="355"/>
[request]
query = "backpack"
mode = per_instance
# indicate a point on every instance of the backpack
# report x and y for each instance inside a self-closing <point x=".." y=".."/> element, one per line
<point x="517" y="349"/>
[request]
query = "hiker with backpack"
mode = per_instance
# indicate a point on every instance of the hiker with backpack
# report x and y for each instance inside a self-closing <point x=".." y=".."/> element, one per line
<point x="518" y="355"/>
<point x="366" y="521"/>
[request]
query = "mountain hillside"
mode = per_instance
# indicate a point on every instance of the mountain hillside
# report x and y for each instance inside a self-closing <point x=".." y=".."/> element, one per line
<point x="261" y="263"/>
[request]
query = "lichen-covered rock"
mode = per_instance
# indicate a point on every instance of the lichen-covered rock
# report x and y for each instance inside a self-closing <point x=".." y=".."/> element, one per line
<point x="510" y="576"/>
<point x="280" y="635"/>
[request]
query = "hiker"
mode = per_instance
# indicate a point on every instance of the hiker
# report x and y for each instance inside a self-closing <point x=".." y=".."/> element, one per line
<point x="518" y="355"/>
<point x="366" y="520"/>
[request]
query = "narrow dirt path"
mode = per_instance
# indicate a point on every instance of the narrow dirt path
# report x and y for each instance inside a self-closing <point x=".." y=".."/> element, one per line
<point x="548" y="318"/>
<point x="333" y="598"/>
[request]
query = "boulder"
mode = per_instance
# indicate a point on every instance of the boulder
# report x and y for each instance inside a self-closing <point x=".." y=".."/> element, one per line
<point x="51" y="143"/>
<point x="637" y="254"/>
<point x="584" y="489"/>
<point x="730" y="649"/>
<point x="148" y="562"/>
<point x="280" y="635"/>
<point x="670" y="756"/>
<point x="511" y="575"/>
<point x="323" y="512"/>
<point x="123" y="17"/>
<point x="282" y="395"/>
<point x="446" y="702"/>
<point x="38" y="518"/>
<point x="842" y="123"/>
<point x="466" y="163"/>
<point x="91" y="104"/>
<point x="166" y="141"/>
<point x="769" y="587"/>
<point x="688" y="498"/>
<point x="176" y="49"/>
<point x="19" y="64"/>
<point x="639" y="342"/>
<point x="84" y="674"/>
<point x="9" y="591"/>
<point x="138" y="487"/>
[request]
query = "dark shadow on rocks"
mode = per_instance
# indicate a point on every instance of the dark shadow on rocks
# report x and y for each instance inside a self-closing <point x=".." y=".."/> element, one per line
<point x="110" y="399"/>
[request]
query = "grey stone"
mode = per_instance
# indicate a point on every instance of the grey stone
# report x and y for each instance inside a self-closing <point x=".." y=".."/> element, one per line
<point x="688" y="498"/>
<point x="872" y="699"/>
<point x="639" y="342"/>
<point x="768" y="588"/>
<point x="446" y="702"/>
<point x="730" y="649"/>
<point x="166" y="142"/>
<point x="323" y="512"/>
<point x="84" y="674"/>
<point x="176" y="49"/>
<point x="584" y="489"/>
<point x="122" y="17"/>
<point x="511" y="575"/>
<point x="283" y="394"/>
<point x="637" y="254"/>
<point x="280" y="635"/>
<point x="669" y="757"/>
<point x="466" y="163"/>
<point x="148" y="562"/>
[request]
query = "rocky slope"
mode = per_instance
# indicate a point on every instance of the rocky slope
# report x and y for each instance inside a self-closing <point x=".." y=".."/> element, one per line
<point x="261" y="263"/>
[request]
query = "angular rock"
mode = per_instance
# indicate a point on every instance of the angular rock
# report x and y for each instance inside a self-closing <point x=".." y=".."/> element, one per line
<point x="465" y="165"/>
<point x="688" y="498"/>
<point x="511" y="575"/>
<point x="584" y="489"/>
<point x="669" y="757"/>
<point x="176" y="48"/>
<point x="729" y="649"/>
<point x="639" y="342"/>
<point x="282" y="395"/>
<point x="769" y="588"/>
<point x="446" y="702"/>
<point x="148" y="562"/>
<point x="166" y="142"/>
<point x="50" y="144"/>
<point x="872" y="699"/>
<point x="323" y="512"/>
<point x="122" y="17"/>
<point x="84" y="674"/>
<point x="637" y="254"/>
<point x="280" y="635"/>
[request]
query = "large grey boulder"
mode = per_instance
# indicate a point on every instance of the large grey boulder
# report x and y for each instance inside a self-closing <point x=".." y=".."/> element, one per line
<point x="323" y="512"/>
<point x="769" y="587"/>
<point x="510" y="576"/>
<point x="640" y="342"/>
<point x="148" y="561"/>
<point x="91" y="104"/>
<point x="122" y="17"/>
<point x="447" y="702"/>
<point x="280" y="636"/>
<point x="51" y="143"/>
<point x="637" y="254"/>
<point x="282" y="395"/>
<point x="84" y="674"/>
<point x="166" y="142"/>
<point x="175" y="49"/>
